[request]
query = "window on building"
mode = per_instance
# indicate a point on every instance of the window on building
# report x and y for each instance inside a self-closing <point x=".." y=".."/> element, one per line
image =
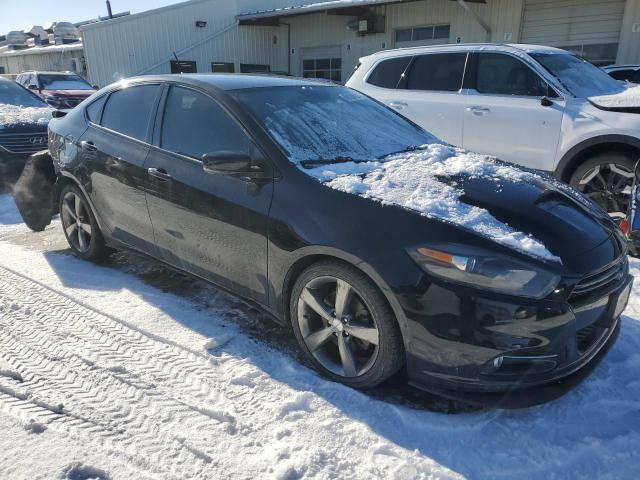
<point x="2" y="70"/>
<point x="500" y="74"/>
<point x="223" y="67"/>
<point x="424" y="35"/>
<point x="183" y="66"/>
<point x="194" y="124"/>
<point x="437" y="72"/>
<point x="328" y="68"/>
<point x="598" y="54"/>
<point x="388" y="73"/>
<point x="254" y="68"/>
<point x="128" y="111"/>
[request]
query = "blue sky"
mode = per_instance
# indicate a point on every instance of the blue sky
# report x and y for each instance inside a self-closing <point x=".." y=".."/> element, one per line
<point x="17" y="14"/>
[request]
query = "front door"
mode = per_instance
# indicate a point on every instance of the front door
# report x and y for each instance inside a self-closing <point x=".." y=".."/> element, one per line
<point x="506" y="116"/>
<point x="209" y="224"/>
<point x="116" y="146"/>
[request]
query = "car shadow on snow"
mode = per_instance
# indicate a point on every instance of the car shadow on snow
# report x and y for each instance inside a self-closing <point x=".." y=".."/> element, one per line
<point x="591" y="431"/>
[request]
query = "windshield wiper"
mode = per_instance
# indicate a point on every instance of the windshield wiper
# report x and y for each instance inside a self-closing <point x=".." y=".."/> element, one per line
<point x="329" y="161"/>
<point x="410" y="148"/>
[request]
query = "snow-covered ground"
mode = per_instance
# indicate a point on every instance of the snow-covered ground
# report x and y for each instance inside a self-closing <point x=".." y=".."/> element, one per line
<point x="128" y="370"/>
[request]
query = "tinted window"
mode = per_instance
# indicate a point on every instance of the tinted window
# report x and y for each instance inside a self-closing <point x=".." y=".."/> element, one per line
<point x="95" y="109"/>
<point x="13" y="94"/>
<point x="505" y="75"/>
<point x="440" y="72"/>
<point x="129" y="110"/>
<point x="194" y="125"/>
<point x="389" y="72"/>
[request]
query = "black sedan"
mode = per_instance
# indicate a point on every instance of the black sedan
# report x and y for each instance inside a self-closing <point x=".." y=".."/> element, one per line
<point x="380" y="246"/>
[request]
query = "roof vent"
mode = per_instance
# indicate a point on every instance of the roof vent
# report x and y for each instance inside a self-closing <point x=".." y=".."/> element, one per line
<point x="17" y="40"/>
<point x="39" y="35"/>
<point x="65" y="32"/>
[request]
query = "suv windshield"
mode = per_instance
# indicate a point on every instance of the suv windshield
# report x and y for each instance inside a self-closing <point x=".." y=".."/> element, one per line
<point x="13" y="94"/>
<point x="318" y="123"/>
<point x="580" y="77"/>
<point x="63" y="82"/>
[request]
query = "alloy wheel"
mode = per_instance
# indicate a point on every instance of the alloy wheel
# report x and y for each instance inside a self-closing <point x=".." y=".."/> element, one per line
<point x="337" y="326"/>
<point x="609" y="185"/>
<point x="76" y="223"/>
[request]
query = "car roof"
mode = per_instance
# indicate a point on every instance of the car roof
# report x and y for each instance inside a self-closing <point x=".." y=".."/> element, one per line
<point x="622" y="67"/>
<point x="234" y="81"/>
<point x="476" y="47"/>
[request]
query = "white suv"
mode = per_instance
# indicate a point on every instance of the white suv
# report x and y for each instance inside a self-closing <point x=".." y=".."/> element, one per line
<point x="540" y="107"/>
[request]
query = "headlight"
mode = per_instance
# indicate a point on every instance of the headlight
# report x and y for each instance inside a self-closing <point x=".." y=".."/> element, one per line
<point x="486" y="270"/>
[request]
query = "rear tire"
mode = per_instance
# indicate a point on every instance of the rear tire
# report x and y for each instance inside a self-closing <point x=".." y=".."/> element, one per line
<point x="80" y="226"/>
<point x="338" y="314"/>
<point x="604" y="178"/>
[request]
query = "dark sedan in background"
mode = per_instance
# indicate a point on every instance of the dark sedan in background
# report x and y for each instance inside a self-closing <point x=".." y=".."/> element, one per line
<point x="204" y="173"/>
<point x="23" y="127"/>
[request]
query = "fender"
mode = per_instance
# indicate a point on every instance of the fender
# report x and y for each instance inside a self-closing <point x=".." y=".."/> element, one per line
<point x="567" y="162"/>
<point x="69" y="176"/>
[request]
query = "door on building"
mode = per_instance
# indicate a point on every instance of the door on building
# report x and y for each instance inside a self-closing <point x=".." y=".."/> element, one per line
<point x="505" y="115"/>
<point x="590" y="29"/>
<point x="214" y="226"/>
<point x="183" y="66"/>
<point x="323" y="62"/>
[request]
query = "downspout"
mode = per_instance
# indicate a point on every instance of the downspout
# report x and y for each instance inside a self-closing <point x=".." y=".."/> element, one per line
<point x="477" y="18"/>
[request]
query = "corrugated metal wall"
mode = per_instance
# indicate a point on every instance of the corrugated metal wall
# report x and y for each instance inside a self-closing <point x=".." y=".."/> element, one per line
<point x="629" y="50"/>
<point x="572" y="22"/>
<point x="59" y="61"/>
<point x="144" y="43"/>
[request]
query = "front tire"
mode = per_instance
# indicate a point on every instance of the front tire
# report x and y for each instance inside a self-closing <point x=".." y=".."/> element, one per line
<point x="80" y="226"/>
<point x="345" y="326"/>
<point x="607" y="178"/>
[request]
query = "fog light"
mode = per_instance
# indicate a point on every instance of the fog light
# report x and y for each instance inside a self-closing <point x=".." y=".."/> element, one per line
<point x="497" y="362"/>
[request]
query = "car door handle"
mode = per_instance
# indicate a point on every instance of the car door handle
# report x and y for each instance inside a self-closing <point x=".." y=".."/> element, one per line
<point x="398" y="105"/>
<point x="88" y="146"/>
<point x="479" y="110"/>
<point x="159" y="173"/>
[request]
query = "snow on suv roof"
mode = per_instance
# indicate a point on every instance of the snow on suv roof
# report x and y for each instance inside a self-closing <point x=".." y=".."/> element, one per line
<point x="464" y="47"/>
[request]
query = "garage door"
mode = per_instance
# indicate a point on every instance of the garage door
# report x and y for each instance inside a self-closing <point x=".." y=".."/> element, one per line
<point x="588" y="27"/>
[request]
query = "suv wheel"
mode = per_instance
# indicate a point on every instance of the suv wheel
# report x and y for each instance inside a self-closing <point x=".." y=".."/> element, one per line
<point x="607" y="179"/>
<point x="344" y="325"/>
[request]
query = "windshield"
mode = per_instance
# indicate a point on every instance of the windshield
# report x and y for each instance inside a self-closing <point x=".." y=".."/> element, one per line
<point x="330" y="123"/>
<point x="63" y="82"/>
<point x="581" y="78"/>
<point x="13" y="94"/>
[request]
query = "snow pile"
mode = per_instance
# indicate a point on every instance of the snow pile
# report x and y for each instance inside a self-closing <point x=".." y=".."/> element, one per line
<point x="15" y="114"/>
<point x="628" y="98"/>
<point x="414" y="181"/>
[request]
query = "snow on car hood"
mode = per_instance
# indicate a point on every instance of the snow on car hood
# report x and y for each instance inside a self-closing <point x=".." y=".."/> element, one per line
<point x="415" y="181"/>
<point x="14" y="114"/>
<point x="628" y="98"/>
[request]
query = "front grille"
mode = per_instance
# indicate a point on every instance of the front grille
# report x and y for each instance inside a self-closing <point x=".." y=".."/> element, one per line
<point x="24" y="142"/>
<point x="587" y="336"/>
<point x="602" y="282"/>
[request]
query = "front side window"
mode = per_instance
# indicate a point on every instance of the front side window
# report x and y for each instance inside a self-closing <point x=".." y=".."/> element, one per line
<point x="581" y="78"/>
<point x="388" y="73"/>
<point x="314" y="123"/>
<point x="437" y="72"/>
<point x="194" y="125"/>
<point x="63" y="82"/>
<point x="129" y="111"/>
<point x="500" y="74"/>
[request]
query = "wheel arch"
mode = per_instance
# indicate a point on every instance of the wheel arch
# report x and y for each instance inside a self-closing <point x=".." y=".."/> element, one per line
<point x="311" y="256"/>
<point x="593" y="146"/>
<point x="66" y="178"/>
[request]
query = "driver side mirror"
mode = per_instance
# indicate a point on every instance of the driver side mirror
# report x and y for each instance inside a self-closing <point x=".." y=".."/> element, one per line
<point x="230" y="163"/>
<point x="33" y="87"/>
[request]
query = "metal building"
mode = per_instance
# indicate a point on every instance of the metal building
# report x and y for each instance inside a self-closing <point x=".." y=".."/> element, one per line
<point x="326" y="38"/>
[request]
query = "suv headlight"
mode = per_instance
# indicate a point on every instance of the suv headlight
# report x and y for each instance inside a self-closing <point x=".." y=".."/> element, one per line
<point x="486" y="271"/>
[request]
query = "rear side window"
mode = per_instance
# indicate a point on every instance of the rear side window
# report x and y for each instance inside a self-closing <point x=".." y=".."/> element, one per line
<point x="388" y="73"/>
<point x="437" y="72"/>
<point x="94" y="111"/>
<point x="128" y="111"/>
<point x="500" y="74"/>
<point x="194" y="124"/>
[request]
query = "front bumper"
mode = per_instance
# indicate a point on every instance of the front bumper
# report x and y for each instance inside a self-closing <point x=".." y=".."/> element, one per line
<point x="488" y="350"/>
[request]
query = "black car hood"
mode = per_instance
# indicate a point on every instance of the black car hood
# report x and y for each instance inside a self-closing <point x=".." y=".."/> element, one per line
<point x="15" y="119"/>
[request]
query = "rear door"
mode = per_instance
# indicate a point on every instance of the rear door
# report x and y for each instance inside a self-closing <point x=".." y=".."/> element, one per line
<point x="114" y="148"/>
<point x="505" y="115"/>
<point x="430" y="94"/>
<point x="212" y="225"/>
